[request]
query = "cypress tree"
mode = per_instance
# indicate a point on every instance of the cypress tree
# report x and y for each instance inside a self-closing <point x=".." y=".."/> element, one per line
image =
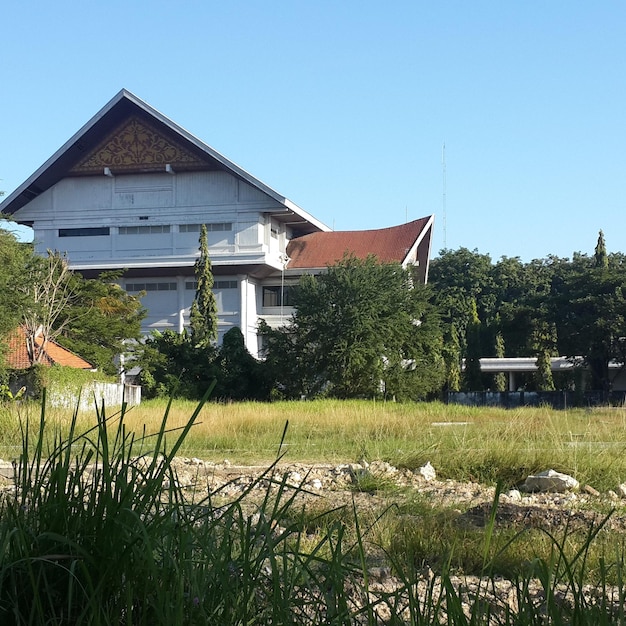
<point x="544" y="340"/>
<point x="452" y="357"/>
<point x="473" y="373"/>
<point x="499" y="379"/>
<point x="601" y="259"/>
<point x="203" y="315"/>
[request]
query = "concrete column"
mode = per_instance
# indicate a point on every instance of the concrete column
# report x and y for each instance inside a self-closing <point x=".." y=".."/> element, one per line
<point x="511" y="381"/>
<point x="180" y="292"/>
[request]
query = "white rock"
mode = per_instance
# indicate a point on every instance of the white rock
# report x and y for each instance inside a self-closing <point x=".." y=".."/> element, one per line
<point x="621" y="490"/>
<point x="514" y="495"/>
<point x="294" y="479"/>
<point x="551" y="481"/>
<point x="427" y="472"/>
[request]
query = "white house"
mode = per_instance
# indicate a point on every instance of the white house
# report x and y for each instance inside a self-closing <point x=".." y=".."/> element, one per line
<point x="130" y="191"/>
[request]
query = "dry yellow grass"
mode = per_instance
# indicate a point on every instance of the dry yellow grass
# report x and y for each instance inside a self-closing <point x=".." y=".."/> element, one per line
<point x="483" y="444"/>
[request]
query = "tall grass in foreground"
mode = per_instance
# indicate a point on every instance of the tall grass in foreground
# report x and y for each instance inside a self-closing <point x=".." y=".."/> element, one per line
<point x="97" y="531"/>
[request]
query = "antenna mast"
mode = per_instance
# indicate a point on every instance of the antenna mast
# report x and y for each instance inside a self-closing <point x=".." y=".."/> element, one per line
<point x="443" y="172"/>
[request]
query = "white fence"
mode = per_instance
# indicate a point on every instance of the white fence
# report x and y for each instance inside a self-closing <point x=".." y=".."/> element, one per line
<point x="112" y="394"/>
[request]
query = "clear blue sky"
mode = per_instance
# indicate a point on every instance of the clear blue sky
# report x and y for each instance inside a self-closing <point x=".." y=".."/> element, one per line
<point x="344" y="107"/>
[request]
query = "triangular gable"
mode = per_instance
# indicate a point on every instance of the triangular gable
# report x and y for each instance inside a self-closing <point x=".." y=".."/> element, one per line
<point x="101" y="140"/>
<point x="138" y="146"/>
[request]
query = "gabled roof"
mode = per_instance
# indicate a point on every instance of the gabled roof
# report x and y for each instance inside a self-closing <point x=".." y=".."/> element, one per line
<point x="396" y="244"/>
<point x="18" y="358"/>
<point x="101" y="144"/>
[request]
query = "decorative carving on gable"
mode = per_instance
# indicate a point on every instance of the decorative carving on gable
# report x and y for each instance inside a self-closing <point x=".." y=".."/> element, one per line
<point x="135" y="146"/>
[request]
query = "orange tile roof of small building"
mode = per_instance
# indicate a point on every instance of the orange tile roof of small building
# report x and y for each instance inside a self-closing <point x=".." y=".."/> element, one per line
<point x="18" y="358"/>
<point x="389" y="245"/>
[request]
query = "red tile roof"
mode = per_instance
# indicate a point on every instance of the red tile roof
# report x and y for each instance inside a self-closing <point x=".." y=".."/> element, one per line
<point x="17" y="355"/>
<point x="389" y="245"/>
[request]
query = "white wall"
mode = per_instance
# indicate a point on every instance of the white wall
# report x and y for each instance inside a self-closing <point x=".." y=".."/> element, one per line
<point x="148" y="200"/>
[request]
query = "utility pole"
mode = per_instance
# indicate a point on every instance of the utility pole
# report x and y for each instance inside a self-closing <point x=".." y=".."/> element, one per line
<point x="443" y="172"/>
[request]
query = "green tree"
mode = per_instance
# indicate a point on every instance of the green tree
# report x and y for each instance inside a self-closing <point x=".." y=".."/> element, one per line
<point x="544" y="339"/>
<point x="102" y="322"/>
<point x="172" y="366"/>
<point x="15" y="257"/>
<point x="473" y="380"/>
<point x="462" y="280"/>
<point x="590" y="315"/>
<point x="90" y="317"/>
<point x="462" y="288"/>
<point x="203" y="315"/>
<point x="601" y="259"/>
<point x="499" y="379"/>
<point x="451" y="352"/>
<point x="239" y="375"/>
<point x="361" y="329"/>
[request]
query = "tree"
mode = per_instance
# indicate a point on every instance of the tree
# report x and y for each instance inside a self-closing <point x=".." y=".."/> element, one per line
<point x="472" y="381"/>
<point x="101" y="321"/>
<point x="239" y="375"/>
<point x="601" y="259"/>
<point x="463" y="290"/>
<point x="91" y="317"/>
<point x="14" y="259"/>
<point x="544" y="339"/>
<point x="499" y="379"/>
<point x="590" y="313"/>
<point x="203" y="315"/>
<point x="451" y="352"/>
<point x="361" y="329"/>
<point x="49" y="292"/>
<point x="174" y="367"/>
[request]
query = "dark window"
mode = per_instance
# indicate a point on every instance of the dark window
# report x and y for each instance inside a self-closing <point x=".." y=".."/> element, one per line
<point x="143" y="230"/>
<point x="218" y="284"/>
<point x="84" y="232"/>
<point x="211" y="228"/>
<point x="136" y="287"/>
<point x="272" y="296"/>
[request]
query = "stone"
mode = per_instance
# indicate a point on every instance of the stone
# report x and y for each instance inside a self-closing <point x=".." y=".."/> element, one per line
<point x="551" y="481"/>
<point x="621" y="490"/>
<point x="514" y="495"/>
<point x="427" y="472"/>
<point x="316" y="484"/>
<point x="588" y="489"/>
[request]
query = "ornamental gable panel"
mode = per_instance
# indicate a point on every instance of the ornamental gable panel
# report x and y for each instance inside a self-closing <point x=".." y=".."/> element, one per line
<point x="137" y="146"/>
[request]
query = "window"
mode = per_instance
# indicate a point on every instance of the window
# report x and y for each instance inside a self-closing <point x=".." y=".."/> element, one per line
<point x="83" y="232"/>
<point x="144" y="230"/>
<point x="218" y="284"/>
<point x="136" y="287"/>
<point x="211" y="228"/>
<point x="272" y="296"/>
